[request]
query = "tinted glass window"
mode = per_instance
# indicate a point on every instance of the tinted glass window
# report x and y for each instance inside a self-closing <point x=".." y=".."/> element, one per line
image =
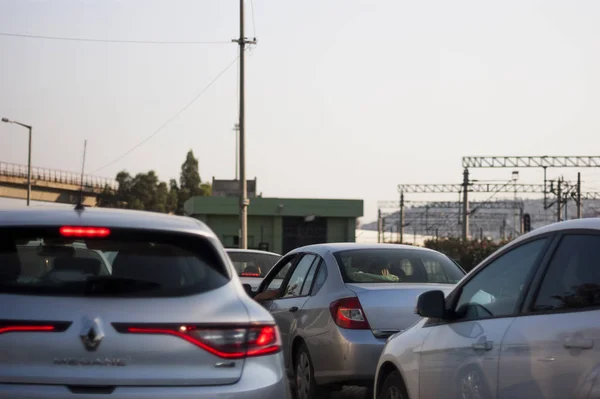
<point x="320" y="278"/>
<point x="310" y="278"/>
<point x="495" y="290"/>
<point x="397" y="266"/>
<point x="275" y="284"/>
<point x="252" y="264"/>
<point x="296" y="281"/>
<point x="573" y="277"/>
<point x="41" y="261"/>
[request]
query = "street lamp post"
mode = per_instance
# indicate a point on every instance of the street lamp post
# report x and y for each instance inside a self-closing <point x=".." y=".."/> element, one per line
<point x="6" y="120"/>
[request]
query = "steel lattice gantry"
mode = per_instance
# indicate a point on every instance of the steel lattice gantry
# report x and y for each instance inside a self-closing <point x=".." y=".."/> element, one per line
<point x="544" y="162"/>
<point x="532" y="162"/>
<point x="443" y="216"/>
<point x="590" y="196"/>
<point x="473" y="187"/>
<point x="497" y="204"/>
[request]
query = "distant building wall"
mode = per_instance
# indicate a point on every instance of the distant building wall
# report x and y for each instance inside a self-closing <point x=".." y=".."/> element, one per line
<point x="281" y="223"/>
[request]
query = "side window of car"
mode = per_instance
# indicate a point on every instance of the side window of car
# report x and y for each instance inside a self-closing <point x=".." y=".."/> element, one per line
<point x="572" y="280"/>
<point x="294" y="284"/>
<point x="310" y="277"/>
<point x="276" y="281"/>
<point x="496" y="289"/>
<point x="320" y="277"/>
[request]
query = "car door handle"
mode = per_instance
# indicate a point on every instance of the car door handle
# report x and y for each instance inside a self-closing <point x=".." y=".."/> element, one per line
<point x="293" y="309"/>
<point x="483" y="346"/>
<point x="579" y="343"/>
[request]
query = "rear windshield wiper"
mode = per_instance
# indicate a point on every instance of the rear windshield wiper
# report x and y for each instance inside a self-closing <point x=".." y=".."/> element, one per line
<point x="117" y="285"/>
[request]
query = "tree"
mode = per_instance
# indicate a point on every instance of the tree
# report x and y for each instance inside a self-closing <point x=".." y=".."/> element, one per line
<point x="190" y="183"/>
<point x="468" y="254"/>
<point x="189" y="179"/>
<point x="145" y="191"/>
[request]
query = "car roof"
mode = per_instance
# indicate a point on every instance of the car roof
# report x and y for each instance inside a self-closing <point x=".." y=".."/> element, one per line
<point x="344" y="246"/>
<point x="101" y="217"/>
<point x="251" y="251"/>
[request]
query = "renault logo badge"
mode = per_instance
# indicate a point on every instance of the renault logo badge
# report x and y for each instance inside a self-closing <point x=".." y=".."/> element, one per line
<point x="92" y="333"/>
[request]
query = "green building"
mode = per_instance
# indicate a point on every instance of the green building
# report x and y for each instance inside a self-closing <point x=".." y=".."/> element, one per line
<point x="279" y="224"/>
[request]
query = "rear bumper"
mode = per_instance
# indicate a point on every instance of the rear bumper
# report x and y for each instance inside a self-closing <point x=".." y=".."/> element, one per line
<point x="262" y="378"/>
<point x="343" y="356"/>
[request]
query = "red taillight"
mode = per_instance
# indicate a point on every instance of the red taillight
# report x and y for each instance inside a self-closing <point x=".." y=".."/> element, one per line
<point x="348" y="313"/>
<point x="9" y="329"/>
<point x="246" y="274"/>
<point x="230" y="343"/>
<point x="24" y="326"/>
<point x="87" y="232"/>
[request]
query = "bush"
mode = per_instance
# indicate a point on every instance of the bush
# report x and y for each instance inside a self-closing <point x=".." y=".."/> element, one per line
<point x="468" y="254"/>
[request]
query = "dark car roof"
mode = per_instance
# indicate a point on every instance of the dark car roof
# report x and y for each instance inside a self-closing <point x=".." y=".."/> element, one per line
<point x="101" y="217"/>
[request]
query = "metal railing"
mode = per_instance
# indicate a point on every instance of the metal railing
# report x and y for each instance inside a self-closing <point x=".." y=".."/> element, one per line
<point x="57" y="176"/>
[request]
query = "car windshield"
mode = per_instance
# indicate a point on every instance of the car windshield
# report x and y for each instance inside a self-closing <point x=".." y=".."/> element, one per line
<point x="397" y="266"/>
<point x="252" y="264"/>
<point x="42" y="261"/>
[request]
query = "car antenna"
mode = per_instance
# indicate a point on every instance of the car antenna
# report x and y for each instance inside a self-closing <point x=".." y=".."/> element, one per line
<point x="79" y="206"/>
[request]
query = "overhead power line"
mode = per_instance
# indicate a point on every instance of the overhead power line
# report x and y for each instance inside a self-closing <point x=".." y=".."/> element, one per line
<point x="80" y="39"/>
<point x="171" y="119"/>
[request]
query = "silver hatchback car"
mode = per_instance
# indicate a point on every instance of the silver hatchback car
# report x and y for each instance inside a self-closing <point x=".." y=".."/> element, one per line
<point x="168" y="318"/>
<point x="336" y="304"/>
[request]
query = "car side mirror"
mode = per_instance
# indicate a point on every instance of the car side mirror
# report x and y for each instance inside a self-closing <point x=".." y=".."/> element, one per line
<point x="248" y="289"/>
<point x="431" y="304"/>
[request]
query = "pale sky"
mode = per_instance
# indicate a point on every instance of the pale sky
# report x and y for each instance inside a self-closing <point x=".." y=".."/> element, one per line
<point x="345" y="98"/>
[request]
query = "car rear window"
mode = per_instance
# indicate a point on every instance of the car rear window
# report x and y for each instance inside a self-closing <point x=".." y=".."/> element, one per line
<point x="397" y="266"/>
<point x="124" y="262"/>
<point x="252" y="264"/>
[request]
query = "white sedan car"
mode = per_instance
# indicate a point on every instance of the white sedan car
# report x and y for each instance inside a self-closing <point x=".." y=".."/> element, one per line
<point x="523" y="324"/>
<point x="252" y="265"/>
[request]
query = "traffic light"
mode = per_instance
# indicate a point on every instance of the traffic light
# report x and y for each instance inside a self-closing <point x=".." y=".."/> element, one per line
<point x="526" y="223"/>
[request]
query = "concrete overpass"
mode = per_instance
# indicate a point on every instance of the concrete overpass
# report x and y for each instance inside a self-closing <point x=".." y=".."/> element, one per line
<point x="51" y="185"/>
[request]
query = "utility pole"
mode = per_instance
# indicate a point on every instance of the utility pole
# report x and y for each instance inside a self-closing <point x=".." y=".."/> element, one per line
<point x="6" y="120"/>
<point x="401" y="218"/>
<point x="244" y="202"/>
<point x="558" y="200"/>
<point x="236" y="128"/>
<point x="515" y="177"/>
<point x="465" y="221"/>
<point x="80" y="202"/>
<point x="379" y="226"/>
<point x="578" y="199"/>
<point x="521" y="216"/>
<point x="545" y="191"/>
